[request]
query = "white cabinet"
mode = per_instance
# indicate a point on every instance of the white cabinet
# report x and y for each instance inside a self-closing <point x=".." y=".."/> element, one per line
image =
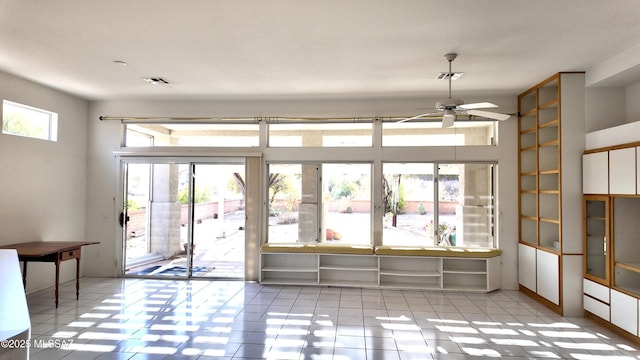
<point x="595" y="176"/>
<point x="548" y="274"/>
<point x="624" y="311"/>
<point x="622" y="171"/>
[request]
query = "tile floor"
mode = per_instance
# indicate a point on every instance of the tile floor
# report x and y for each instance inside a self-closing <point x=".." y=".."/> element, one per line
<point x="164" y="319"/>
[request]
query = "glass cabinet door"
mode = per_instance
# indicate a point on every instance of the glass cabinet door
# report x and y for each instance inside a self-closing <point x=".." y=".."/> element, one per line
<point x="596" y="238"/>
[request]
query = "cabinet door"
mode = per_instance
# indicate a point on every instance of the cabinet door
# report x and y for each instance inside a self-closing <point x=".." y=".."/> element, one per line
<point x="624" y="311"/>
<point x="622" y="171"/>
<point x="596" y="238"/>
<point x="527" y="266"/>
<point x="595" y="173"/>
<point x="548" y="274"/>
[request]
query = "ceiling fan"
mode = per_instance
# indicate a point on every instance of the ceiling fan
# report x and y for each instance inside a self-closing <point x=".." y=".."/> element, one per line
<point x="450" y="108"/>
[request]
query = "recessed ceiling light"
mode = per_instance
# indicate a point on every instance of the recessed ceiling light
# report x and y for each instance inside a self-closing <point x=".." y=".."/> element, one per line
<point x="156" y="81"/>
<point x="120" y="62"/>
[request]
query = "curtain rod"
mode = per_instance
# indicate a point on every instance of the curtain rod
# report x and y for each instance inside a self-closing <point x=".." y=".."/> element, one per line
<point x="277" y="120"/>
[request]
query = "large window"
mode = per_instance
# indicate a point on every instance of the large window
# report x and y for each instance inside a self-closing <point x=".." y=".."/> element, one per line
<point x="28" y="121"/>
<point x="320" y="203"/>
<point x="359" y="180"/>
<point x="439" y="204"/>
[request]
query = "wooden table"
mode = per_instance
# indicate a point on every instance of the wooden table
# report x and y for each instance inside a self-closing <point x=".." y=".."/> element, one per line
<point x="50" y="251"/>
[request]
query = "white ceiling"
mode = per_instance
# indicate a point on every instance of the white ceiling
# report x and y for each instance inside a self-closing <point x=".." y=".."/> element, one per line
<point x="289" y="49"/>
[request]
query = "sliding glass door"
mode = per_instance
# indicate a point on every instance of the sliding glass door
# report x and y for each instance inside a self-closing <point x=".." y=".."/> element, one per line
<point x="183" y="219"/>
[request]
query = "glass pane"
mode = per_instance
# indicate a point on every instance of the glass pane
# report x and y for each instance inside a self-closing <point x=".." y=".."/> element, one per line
<point x="206" y="135"/>
<point x="408" y="203"/>
<point x="416" y="133"/>
<point x="596" y="248"/>
<point x="290" y="218"/>
<point x="346" y="203"/>
<point x="465" y="205"/>
<point x="218" y="221"/>
<point x="135" y="138"/>
<point x="320" y="135"/>
<point x="155" y="239"/>
<point x="27" y="121"/>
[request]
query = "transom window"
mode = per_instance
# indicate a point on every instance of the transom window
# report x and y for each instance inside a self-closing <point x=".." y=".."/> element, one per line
<point x="431" y="133"/>
<point x="28" y="121"/>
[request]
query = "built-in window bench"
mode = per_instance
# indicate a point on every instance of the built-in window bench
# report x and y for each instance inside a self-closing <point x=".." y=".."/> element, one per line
<point x="400" y="267"/>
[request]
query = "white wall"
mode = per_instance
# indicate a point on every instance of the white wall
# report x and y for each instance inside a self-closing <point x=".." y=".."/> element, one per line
<point x="604" y="108"/>
<point x="42" y="183"/>
<point x="632" y="101"/>
<point x="104" y="139"/>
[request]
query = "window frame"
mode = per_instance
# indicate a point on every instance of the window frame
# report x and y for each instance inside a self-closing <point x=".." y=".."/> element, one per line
<point x="51" y="127"/>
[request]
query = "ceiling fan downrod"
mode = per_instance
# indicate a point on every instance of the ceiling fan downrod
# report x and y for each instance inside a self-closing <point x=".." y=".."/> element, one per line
<point x="450" y="57"/>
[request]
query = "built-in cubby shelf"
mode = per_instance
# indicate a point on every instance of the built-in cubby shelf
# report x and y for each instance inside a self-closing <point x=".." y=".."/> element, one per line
<point x="382" y="271"/>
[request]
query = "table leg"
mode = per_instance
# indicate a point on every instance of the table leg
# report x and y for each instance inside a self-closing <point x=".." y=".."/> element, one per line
<point x="24" y="275"/>
<point x="77" y="278"/>
<point x="57" y="280"/>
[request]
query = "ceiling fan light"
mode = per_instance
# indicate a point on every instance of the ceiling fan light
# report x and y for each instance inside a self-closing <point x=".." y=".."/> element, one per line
<point x="448" y="118"/>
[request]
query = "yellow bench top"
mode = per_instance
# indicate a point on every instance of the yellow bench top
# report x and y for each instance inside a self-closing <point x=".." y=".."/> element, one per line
<point x="437" y="251"/>
<point x="391" y="250"/>
<point x="317" y="248"/>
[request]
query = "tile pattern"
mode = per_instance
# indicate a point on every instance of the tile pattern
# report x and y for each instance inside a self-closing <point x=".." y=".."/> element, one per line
<point x="163" y="319"/>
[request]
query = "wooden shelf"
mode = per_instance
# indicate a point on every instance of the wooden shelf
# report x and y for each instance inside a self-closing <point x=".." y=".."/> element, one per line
<point x="550" y="143"/>
<point x="529" y="112"/>
<point x="549" y="172"/>
<point x="551" y="192"/>
<point x="531" y="130"/>
<point x="550" y="123"/>
<point x="631" y="266"/>
<point x="552" y="221"/>
<point x="549" y="104"/>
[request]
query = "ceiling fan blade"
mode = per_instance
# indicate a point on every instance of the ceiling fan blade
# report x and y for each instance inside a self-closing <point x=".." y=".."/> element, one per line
<point x="414" y="117"/>
<point x="480" y="105"/>
<point x="489" y="114"/>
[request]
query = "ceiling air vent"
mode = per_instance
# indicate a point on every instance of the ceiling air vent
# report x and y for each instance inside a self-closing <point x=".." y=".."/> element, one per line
<point x="156" y="81"/>
<point x="446" y="75"/>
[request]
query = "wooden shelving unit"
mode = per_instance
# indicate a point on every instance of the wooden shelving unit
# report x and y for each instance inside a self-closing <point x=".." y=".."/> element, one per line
<point x="546" y="163"/>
